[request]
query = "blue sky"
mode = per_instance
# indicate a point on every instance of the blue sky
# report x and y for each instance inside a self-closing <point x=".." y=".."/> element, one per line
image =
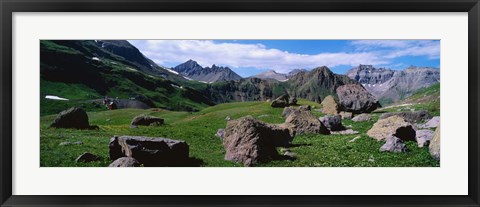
<point x="250" y="57"/>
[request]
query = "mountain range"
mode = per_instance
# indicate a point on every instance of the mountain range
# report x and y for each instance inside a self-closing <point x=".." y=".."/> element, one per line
<point x="393" y="85"/>
<point x="91" y="69"/>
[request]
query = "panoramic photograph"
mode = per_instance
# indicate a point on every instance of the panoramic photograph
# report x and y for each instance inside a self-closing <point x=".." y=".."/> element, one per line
<point x="239" y="103"/>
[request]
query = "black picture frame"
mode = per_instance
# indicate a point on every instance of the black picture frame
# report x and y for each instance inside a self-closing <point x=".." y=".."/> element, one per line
<point x="7" y="8"/>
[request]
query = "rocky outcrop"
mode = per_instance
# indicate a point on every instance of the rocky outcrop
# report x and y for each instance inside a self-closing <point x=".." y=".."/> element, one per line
<point x="395" y="126"/>
<point x="362" y="118"/>
<point x="393" y="144"/>
<point x="220" y="133"/>
<point x="150" y="151"/>
<point x="354" y="98"/>
<point x="410" y="116"/>
<point x="303" y="121"/>
<point x="423" y="137"/>
<point x="125" y="162"/>
<point x="434" y="147"/>
<point x="250" y="141"/>
<point x="73" y="118"/>
<point x="333" y="123"/>
<point x="329" y="106"/>
<point x="346" y="115"/>
<point x="146" y="120"/>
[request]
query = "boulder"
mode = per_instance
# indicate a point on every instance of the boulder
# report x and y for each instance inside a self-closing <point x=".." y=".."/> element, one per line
<point x="346" y="115"/>
<point x="281" y="101"/>
<point x="423" y="137"/>
<point x="303" y="121"/>
<point x="125" y="162"/>
<point x="250" y="141"/>
<point x="74" y="118"/>
<point x="362" y="117"/>
<point x="329" y="106"/>
<point x="393" y="144"/>
<point x="293" y="101"/>
<point x="434" y="146"/>
<point x="410" y="116"/>
<point x="354" y="98"/>
<point x="394" y="125"/>
<point x="146" y="120"/>
<point x="290" y="109"/>
<point x="87" y="157"/>
<point x="220" y="133"/>
<point x="150" y="151"/>
<point x="333" y="123"/>
<point x="432" y="123"/>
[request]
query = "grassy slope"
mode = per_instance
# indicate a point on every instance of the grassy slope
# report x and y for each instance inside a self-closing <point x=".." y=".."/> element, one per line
<point x="423" y="99"/>
<point x="117" y="80"/>
<point x="198" y="130"/>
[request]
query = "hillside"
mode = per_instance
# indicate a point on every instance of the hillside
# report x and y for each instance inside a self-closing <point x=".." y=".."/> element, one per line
<point x="198" y="130"/>
<point x="194" y="71"/>
<point x="85" y="70"/>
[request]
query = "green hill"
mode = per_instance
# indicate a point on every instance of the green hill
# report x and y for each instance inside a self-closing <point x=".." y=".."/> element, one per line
<point x="198" y="130"/>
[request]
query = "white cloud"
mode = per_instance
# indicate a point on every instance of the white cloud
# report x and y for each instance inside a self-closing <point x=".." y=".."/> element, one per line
<point x="398" y="48"/>
<point x="236" y="55"/>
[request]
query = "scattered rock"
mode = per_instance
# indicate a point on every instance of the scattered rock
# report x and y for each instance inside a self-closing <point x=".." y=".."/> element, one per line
<point x="305" y="107"/>
<point x="354" y="98"/>
<point x="329" y="106"/>
<point x="227" y="118"/>
<point x="355" y="139"/>
<point x="423" y="137"/>
<point x="87" y="157"/>
<point x="74" y="118"/>
<point x="71" y="143"/>
<point x="150" y="151"/>
<point x="125" y="162"/>
<point x="432" y="123"/>
<point x="332" y="122"/>
<point x="347" y="131"/>
<point x="293" y="101"/>
<point x="290" y="109"/>
<point x="393" y="144"/>
<point x="371" y="159"/>
<point x="410" y="116"/>
<point x="281" y="101"/>
<point x="146" y="120"/>
<point x="303" y="121"/>
<point x="362" y="117"/>
<point x="434" y="146"/>
<point x="393" y="125"/>
<point x="290" y="154"/>
<point x="220" y="133"/>
<point x="346" y="115"/>
<point x="250" y="141"/>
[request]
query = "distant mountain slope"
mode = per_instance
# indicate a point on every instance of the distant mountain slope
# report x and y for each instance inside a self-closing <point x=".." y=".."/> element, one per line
<point x="114" y="70"/>
<point x="392" y="85"/>
<point x="316" y="84"/>
<point x="193" y="70"/>
<point x="271" y="74"/>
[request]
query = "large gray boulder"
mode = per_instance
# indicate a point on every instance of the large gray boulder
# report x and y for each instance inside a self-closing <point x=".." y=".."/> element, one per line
<point x="303" y="121"/>
<point x="332" y="122"/>
<point x="434" y="146"/>
<point x="410" y="116"/>
<point x="394" y="125"/>
<point x="125" y="162"/>
<point x="362" y="118"/>
<point x="354" y="98"/>
<point x="393" y="144"/>
<point x="73" y="118"/>
<point x="281" y="101"/>
<point x="150" y="151"/>
<point x="250" y="141"/>
<point x="146" y="120"/>
<point x="423" y="137"/>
